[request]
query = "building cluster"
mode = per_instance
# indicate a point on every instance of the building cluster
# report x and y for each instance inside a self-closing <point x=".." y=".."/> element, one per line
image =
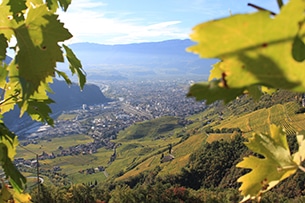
<point x="132" y="102"/>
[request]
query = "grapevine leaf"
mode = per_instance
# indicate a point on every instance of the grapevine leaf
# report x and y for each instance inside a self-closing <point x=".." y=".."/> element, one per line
<point x="22" y="197"/>
<point x="12" y="89"/>
<point x="75" y="66"/>
<point x="5" y="194"/>
<point x="255" y="92"/>
<point x="39" y="110"/>
<point x="53" y="4"/>
<point x="216" y="72"/>
<point x="17" y="180"/>
<point x="9" y="139"/>
<point x="17" y="7"/>
<point x="64" y="4"/>
<point x="3" y="46"/>
<point x="276" y="164"/>
<point x="212" y="92"/>
<point x="250" y="52"/>
<point x="65" y="77"/>
<point x="298" y="49"/>
<point x="5" y="20"/>
<point x="3" y="76"/>
<point x="38" y="42"/>
<point x="299" y="156"/>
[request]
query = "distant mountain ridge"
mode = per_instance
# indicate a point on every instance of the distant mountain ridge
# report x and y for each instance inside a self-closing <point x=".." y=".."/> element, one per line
<point x="166" y="58"/>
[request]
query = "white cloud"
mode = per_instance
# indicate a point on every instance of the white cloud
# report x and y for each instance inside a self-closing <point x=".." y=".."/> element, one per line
<point x="90" y="21"/>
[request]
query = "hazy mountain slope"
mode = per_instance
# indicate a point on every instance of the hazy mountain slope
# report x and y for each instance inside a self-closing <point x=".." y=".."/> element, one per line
<point x="66" y="98"/>
<point x="70" y="97"/>
<point x="166" y="58"/>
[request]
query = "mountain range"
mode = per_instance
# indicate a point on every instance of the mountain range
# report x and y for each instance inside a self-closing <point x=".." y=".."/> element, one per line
<point x="151" y="59"/>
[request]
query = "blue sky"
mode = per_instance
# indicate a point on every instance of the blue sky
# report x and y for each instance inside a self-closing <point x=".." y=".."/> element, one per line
<point x="134" y="21"/>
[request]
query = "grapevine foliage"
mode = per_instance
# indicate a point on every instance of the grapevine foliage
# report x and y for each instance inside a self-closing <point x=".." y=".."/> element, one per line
<point x="254" y="51"/>
<point x="258" y="52"/>
<point x="32" y="26"/>
<point x="276" y="165"/>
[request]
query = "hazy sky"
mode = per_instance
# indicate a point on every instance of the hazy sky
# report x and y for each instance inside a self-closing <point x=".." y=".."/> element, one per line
<point x="132" y="21"/>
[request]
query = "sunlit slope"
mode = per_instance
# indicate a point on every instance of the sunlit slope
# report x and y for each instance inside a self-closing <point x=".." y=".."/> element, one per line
<point x="140" y="146"/>
<point x="180" y="151"/>
<point x="259" y="120"/>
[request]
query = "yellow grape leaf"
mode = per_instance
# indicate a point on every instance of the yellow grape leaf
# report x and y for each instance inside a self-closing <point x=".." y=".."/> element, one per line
<point x="22" y="197"/>
<point x="299" y="156"/>
<point x="6" y="15"/>
<point x="251" y="53"/>
<point x="276" y="164"/>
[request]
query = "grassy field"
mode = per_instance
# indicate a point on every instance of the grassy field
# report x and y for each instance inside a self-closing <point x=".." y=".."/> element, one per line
<point x="67" y="116"/>
<point x="52" y="145"/>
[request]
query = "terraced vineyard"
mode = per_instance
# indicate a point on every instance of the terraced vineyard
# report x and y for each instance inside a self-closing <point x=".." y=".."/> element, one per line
<point x="258" y="121"/>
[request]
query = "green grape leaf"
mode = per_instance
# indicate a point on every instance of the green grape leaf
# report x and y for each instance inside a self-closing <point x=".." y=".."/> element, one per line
<point x="39" y="110"/>
<point x="255" y="92"/>
<point x="5" y="194"/>
<point x="75" y="66"/>
<point x="6" y="22"/>
<point x="38" y="43"/>
<point x="9" y="139"/>
<point x="3" y="76"/>
<point x="17" y="8"/>
<point x="12" y="89"/>
<point x="3" y="46"/>
<point x="53" y="4"/>
<point x="64" y="4"/>
<point x="298" y="49"/>
<point x="276" y="164"/>
<point x="16" y="179"/>
<point x="37" y="106"/>
<point x="65" y="77"/>
<point x="250" y="52"/>
<point x="212" y="92"/>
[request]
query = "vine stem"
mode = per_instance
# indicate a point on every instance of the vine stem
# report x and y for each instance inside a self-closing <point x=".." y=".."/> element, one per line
<point x="6" y="28"/>
<point x="280" y="3"/>
<point x="261" y="8"/>
<point x="9" y="98"/>
<point x="301" y="168"/>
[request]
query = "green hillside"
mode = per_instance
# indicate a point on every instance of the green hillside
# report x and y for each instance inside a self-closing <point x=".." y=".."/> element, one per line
<point x="205" y="147"/>
<point x="154" y="129"/>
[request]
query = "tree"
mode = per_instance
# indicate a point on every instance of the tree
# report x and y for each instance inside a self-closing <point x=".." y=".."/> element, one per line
<point x="32" y="29"/>
<point x="255" y="60"/>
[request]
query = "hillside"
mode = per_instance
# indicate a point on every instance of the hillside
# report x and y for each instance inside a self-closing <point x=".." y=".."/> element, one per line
<point x="204" y="153"/>
<point x="65" y="97"/>
<point x="71" y="97"/>
<point x="154" y="59"/>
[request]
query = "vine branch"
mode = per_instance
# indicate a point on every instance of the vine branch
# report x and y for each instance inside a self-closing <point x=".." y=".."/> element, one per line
<point x="280" y="3"/>
<point x="261" y="8"/>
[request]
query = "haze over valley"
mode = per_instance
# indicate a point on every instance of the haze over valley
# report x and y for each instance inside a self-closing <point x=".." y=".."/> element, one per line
<point x="133" y="123"/>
